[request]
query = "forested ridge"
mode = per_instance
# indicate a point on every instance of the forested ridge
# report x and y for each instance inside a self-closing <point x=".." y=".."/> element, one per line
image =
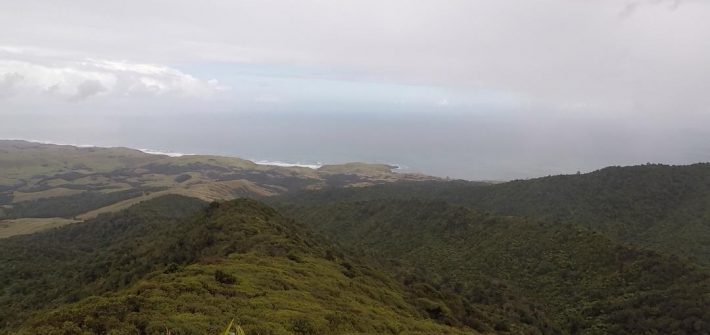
<point x="174" y="263"/>
<point x="661" y="207"/>
<point x="616" y="251"/>
<point x="581" y="280"/>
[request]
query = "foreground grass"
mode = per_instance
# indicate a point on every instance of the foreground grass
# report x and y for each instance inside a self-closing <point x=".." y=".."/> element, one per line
<point x="268" y="295"/>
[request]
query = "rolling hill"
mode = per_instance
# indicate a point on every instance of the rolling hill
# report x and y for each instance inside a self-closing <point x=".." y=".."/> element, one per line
<point x="660" y="207"/>
<point x="177" y="264"/>
<point x="133" y="243"/>
<point x="45" y="185"/>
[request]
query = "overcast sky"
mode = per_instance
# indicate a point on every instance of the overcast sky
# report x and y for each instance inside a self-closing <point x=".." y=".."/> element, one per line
<point x="493" y="89"/>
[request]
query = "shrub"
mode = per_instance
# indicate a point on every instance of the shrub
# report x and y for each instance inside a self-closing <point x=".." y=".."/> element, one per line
<point x="224" y="277"/>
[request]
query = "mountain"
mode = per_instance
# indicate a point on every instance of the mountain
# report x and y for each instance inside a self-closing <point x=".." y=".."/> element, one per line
<point x="180" y="265"/>
<point x="134" y="244"/>
<point x="660" y="207"/>
<point x="548" y="277"/>
<point x="45" y="185"/>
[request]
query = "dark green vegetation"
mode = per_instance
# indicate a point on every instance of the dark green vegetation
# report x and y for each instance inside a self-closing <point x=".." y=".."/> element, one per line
<point x="616" y="251"/>
<point x="111" y="252"/>
<point x="550" y="278"/>
<point x="620" y="250"/>
<point x="664" y="208"/>
<point x="176" y="263"/>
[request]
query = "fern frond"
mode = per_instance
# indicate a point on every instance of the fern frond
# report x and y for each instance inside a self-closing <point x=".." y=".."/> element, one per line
<point x="229" y="327"/>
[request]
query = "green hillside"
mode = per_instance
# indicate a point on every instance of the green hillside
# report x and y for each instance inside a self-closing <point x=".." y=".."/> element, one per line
<point x="176" y="264"/>
<point x="63" y="183"/>
<point x="73" y="262"/>
<point x="584" y="282"/>
<point x="616" y="251"/>
<point x="665" y="208"/>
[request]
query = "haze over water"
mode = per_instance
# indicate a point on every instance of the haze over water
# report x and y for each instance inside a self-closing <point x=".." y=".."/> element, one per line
<point x="458" y="146"/>
<point x="468" y="89"/>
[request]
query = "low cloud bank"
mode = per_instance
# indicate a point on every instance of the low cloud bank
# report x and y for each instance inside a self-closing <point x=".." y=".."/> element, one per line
<point x="69" y="77"/>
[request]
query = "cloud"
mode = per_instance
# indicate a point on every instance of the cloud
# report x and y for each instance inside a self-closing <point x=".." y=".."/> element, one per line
<point x="29" y="72"/>
<point x="89" y="88"/>
<point x="524" y="84"/>
<point x="632" y="6"/>
<point x="8" y="82"/>
<point x="553" y="53"/>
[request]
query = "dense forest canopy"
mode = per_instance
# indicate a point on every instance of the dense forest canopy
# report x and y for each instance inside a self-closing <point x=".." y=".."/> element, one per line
<point x="581" y="280"/>
<point x="664" y="208"/>
<point x="622" y="250"/>
<point x="175" y="263"/>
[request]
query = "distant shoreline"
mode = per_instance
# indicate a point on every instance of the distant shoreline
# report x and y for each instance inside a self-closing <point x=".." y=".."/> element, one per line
<point x="314" y="166"/>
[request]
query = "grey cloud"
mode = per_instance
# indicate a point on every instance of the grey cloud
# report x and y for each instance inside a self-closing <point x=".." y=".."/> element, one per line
<point x="555" y="53"/>
<point x="8" y="82"/>
<point x="632" y="6"/>
<point x="47" y="76"/>
<point x="628" y="10"/>
<point x="88" y="88"/>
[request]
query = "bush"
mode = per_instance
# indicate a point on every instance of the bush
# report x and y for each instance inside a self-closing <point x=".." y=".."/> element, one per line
<point x="303" y="327"/>
<point x="224" y="277"/>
